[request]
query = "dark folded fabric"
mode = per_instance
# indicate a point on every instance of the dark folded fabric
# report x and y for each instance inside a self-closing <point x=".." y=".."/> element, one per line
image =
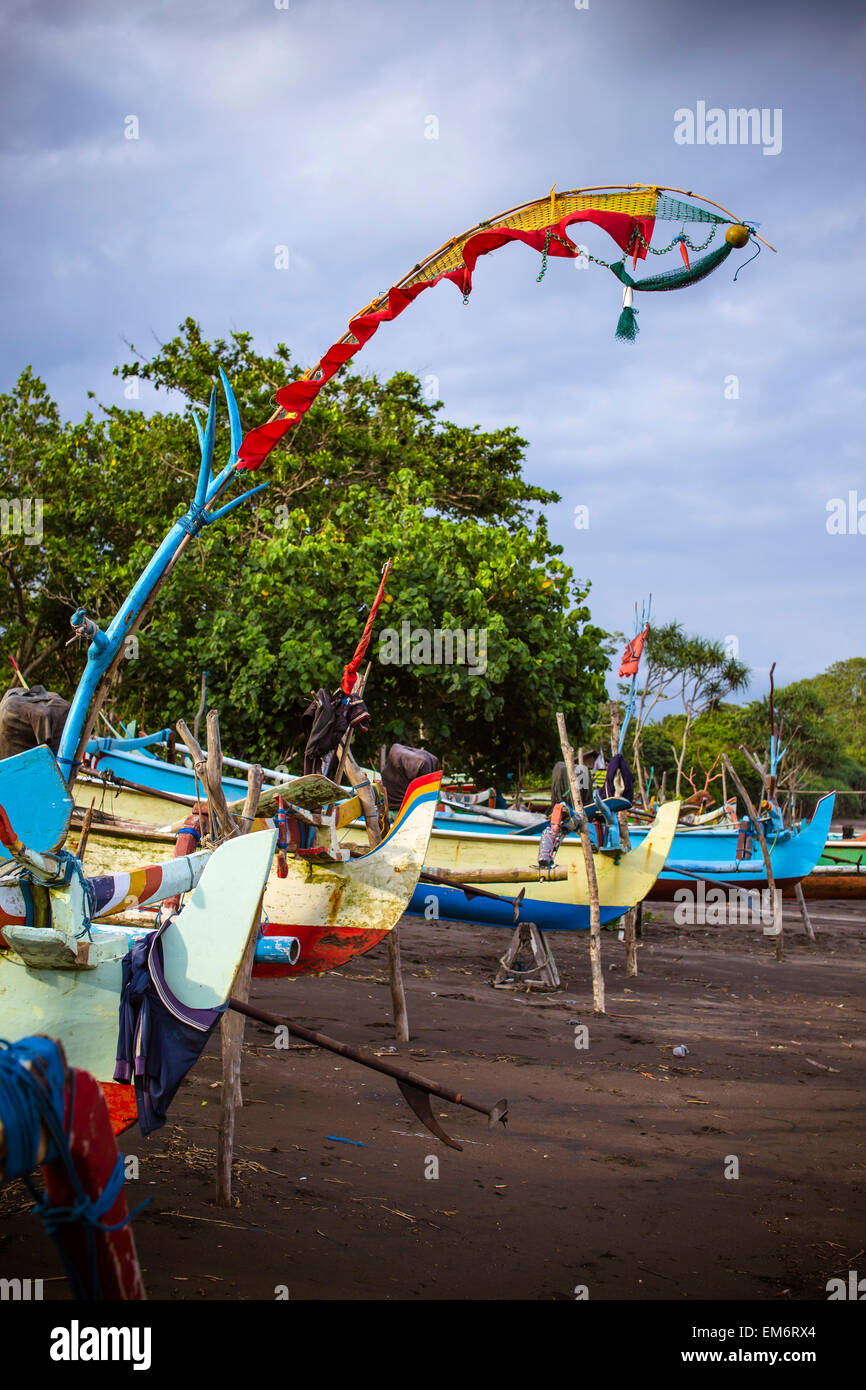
<point x="401" y="768"/>
<point x="30" y="717"/>
<point x="159" y="1038"/>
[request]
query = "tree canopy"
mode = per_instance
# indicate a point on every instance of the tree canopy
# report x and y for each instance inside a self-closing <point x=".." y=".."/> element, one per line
<point x="271" y="602"/>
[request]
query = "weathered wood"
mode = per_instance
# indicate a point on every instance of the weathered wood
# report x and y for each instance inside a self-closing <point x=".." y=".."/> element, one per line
<point x="458" y="877"/>
<point x="775" y="898"/>
<point x="364" y="791"/>
<point x="81" y="848"/>
<point x="592" y="881"/>
<point x="233" y="1024"/>
<point x="367" y="798"/>
<point x="255" y="777"/>
<point x="215" y="776"/>
<point x="232" y="1046"/>
<point x="222" y="826"/>
<point x="199" y="765"/>
<point x="630" y="920"/>
<point x="542" y="975"/>
<point x="398" y="993"/>
<point x="804" y="912"/>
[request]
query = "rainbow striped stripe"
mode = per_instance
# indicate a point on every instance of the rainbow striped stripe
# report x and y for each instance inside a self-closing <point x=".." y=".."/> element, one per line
<point x="423" y="789"/>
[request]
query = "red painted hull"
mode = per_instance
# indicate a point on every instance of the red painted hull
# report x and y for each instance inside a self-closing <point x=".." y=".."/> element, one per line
<point x="322" y="949"/>
<point x="94" y="1154"/>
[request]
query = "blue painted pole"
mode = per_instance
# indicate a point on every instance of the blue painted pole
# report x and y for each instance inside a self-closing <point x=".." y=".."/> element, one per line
<point x="105" y="646"/>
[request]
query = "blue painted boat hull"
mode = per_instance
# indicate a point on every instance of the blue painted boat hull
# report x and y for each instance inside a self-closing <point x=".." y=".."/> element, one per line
<point x="452" y="903"/>
<point x="144" y="770"/>
<point x="707" y="853"/>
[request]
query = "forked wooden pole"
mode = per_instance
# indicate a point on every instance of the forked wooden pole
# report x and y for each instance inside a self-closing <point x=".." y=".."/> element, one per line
<point x="592" y="881"/>
<point x="762" y="841"/>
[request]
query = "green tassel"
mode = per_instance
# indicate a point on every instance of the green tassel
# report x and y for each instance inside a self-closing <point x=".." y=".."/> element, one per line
<point x="627" y="328"/>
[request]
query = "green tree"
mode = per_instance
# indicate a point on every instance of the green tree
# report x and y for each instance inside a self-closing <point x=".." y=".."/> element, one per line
<point x="842" y="687"/>
<point x="707" y="674"/>
<point x="272" y="601"/>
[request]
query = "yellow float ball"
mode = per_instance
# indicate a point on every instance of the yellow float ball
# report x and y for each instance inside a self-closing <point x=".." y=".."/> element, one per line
<point x="738" y="235"/>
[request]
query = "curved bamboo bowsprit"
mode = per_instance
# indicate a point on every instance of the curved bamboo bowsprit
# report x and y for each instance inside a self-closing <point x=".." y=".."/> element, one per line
<point x="628" y="213"/>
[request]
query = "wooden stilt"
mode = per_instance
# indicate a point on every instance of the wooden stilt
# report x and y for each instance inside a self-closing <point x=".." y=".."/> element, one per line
<point x="778" y="928"/>
<point x="804" y="912"/>
<point x="541" y="975"/>
<point x="233" y="1024"/>
<point x="398" y="993"/>
<point x="371" y="819"/>
<point x="81" y="848"/>
<point x="629" y="921"/>
<point x="592" y="881"/>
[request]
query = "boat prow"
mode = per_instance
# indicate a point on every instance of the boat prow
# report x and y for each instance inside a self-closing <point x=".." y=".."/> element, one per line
<point x="54" y="982"/>
<point x="339" y="910"/>
<point x="624" y="877"/>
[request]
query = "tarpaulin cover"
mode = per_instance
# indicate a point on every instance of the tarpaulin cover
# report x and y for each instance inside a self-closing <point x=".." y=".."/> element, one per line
<point x="30" y="717"/>
<point x="401" y="768"/>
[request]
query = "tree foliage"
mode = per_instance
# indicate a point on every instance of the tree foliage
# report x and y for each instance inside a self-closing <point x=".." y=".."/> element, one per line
<point x="272" y="601"/>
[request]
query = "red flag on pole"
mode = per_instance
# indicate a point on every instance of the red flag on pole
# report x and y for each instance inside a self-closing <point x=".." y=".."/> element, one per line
<point x="632" y="654"/>
<point x="350" y="674"/>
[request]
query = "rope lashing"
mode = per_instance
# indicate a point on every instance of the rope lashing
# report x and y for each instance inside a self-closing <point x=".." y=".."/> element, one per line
<point x="32" y="1098"/>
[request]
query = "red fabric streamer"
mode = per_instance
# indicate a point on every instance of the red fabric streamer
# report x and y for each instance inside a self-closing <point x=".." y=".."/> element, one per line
<point x="298" y="396"/>
<point x="350" y="674"/>
<point x="632" y="654"/>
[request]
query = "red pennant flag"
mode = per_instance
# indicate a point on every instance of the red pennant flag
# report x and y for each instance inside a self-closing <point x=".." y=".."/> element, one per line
<point x="632" y="654"/>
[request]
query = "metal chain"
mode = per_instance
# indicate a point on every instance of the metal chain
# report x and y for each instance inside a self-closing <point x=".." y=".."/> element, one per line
<point x="660" y="250"/>
<point x="597" y="260"/>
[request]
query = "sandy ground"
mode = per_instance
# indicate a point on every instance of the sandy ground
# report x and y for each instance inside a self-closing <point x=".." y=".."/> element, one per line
<point x="611" y="1172"/>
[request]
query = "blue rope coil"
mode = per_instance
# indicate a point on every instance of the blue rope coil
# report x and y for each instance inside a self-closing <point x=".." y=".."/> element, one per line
<point x="29" y="1097"/>
<point x="32" y="1098"/>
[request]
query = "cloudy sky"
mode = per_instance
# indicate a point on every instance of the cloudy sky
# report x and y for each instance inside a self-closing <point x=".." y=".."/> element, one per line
<point x="306" y="123"/>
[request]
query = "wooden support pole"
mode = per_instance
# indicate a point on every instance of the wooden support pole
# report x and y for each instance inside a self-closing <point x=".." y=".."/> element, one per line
<point x="762" y="841"/>
<point x="367" y="798"/>
<point x="81" y="848"/>
<point x="629" y="922"/>
<point x="804" y="912"/>
<point x="592" y="881"/>
<point x="232" y="1023"/>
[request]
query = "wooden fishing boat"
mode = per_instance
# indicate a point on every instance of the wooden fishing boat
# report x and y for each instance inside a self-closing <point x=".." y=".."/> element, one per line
<point x="835" y="881"/>
<point x="55" y="981"/>
<point x="56" y="1116"/>
<point x="697" y="852"/>
<point x="837" y="851"/>
<point x="625" y="877"/>
<point x="335" y="907"/>
<point x="793" y="855"/>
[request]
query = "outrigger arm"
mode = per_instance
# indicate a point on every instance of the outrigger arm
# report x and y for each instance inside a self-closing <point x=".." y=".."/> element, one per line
<point x="415" y="1088"/>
